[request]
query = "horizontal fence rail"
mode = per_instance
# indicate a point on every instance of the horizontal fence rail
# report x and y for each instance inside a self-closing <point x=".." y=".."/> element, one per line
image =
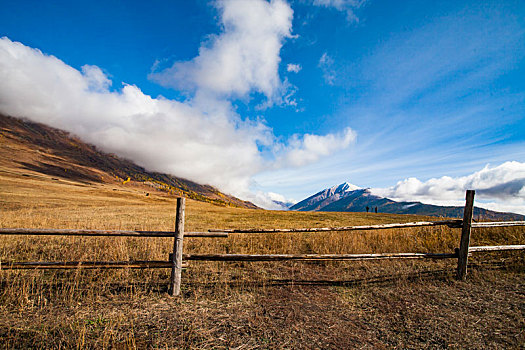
<point x="39" y="265"/>
<point x="315" y="257"/>
<point x="498" y="224"/>
<point x="495" y="248"/>
<point x="449" y="223"/>
<point x="225" y="233"/>
<point x="103" y="233"/>
<point x="175" y="260"/>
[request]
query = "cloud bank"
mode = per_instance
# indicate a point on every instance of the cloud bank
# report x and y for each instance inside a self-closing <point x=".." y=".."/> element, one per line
<point x="203" y="138"/>
<point x="504" y="183"/>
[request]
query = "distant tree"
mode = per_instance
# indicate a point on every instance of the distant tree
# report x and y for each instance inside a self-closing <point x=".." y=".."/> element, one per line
<point x="367" y="208"/>
<point x="376" y="210"/>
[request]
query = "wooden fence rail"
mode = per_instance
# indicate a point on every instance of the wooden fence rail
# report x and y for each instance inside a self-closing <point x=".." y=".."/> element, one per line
<point x="316" y="257"/>
<point x="497" y="224"/>
<point x="496" y="248"/>
<point x="41" y="265"/>
<point x="449" y="223"/>
<point x="104" y="233"/>
<point x="175" y="260"/>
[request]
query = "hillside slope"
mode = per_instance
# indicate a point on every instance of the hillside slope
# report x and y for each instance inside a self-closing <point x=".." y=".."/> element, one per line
<point x="29" y="147"/>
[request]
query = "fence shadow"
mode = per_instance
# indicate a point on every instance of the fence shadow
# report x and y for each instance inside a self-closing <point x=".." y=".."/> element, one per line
<point x="390" y="280"/>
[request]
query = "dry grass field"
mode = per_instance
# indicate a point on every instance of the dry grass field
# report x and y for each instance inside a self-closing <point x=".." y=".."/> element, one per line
<point x="268" y="305"/>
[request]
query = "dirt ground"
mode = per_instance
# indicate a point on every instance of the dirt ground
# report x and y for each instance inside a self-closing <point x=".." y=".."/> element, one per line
<point x="427" y="309"/>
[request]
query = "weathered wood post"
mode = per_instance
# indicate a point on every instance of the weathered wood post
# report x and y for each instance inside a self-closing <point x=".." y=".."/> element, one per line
<point x="176" y="256"/>
<point x="465" y="236"/>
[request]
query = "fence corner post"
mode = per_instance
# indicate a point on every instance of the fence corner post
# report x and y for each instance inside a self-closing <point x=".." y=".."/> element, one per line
<point x="176" y="256"/>
<point x="465" y="236"/>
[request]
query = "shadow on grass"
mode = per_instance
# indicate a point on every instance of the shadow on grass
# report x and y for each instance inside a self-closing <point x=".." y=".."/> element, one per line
<point x="441" y="275"/>
<point x="70" y="173"/>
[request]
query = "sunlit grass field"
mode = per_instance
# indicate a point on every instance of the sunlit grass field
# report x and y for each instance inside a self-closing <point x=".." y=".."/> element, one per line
<point x="228" y="305"/>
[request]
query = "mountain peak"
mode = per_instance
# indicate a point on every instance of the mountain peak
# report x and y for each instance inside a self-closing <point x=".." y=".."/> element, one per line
<point x="346" y="187"/>
<point x="326" y="197"/>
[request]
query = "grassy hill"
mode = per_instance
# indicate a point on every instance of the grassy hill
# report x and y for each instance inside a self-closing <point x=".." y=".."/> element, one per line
<point x="36" y="149"/>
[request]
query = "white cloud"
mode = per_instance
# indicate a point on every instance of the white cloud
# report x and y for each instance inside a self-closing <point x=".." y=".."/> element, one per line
<point x="271" y="200"/>
<point x="96" y="79"/>
<point x="202" y="139"/>
<point x="500" y="187"/>
<point x="243" y="58"/>
<point x="347" y="6"/>
<point x="309" y="148"/>
<point x="292" y="67"/>
<point x="280" y="198"/>
<point x="326" y="64"/>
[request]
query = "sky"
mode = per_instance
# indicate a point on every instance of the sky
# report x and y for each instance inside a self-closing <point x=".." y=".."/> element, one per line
<point x="277" y="100"/>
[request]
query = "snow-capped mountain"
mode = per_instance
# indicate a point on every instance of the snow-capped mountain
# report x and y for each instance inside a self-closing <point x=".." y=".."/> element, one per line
<point x="348" y="197"/>
<point x="325" y="197"/>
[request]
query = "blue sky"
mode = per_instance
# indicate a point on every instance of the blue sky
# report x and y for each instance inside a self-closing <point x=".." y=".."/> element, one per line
<point x="319" y="91"/>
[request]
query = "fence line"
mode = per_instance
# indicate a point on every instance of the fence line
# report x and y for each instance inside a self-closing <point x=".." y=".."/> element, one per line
<point x="225" y="233"/>
<point x="496" y="248"/>
<point x="104" y="233"/>
<point x="40" y="265"/>
<point x="315" y="257"/>
<point x="498" y="224"/>
<point x="449" y="223"/>
<point x="176" y="258"/>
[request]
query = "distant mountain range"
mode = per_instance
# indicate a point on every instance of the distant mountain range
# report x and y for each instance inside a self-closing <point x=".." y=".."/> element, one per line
<point x="351" y="198"/>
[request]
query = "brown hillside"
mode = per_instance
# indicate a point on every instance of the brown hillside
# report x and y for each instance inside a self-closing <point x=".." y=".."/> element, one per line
<point x="34" y="149"/>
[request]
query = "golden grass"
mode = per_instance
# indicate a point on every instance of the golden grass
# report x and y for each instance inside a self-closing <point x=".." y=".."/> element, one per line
<point x="39" y="201"/>
<point x="45" y="203"/>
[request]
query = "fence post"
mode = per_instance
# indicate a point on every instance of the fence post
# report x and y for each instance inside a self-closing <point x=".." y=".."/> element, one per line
<point x="176" y="256"/>
<point x="465" y="236"/>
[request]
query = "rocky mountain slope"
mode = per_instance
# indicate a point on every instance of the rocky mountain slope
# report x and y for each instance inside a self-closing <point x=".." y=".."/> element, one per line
<point x="32" y="148"/>
<point x="324" y="198"/>
<point x="350" y="198"/>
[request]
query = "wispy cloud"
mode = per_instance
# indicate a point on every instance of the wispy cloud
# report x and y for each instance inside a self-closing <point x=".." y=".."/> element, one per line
<point x="347" y="6"/>
<point x="449" y="57"/>
<point x="326" y="64"/>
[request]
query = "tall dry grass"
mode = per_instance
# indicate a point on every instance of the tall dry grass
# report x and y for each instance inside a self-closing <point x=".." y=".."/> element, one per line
<point x="40" y="202"/>
<point x="45" y="203"/>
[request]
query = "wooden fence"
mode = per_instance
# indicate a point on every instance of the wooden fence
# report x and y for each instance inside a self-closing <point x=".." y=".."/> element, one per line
<point x="177" y="258"/>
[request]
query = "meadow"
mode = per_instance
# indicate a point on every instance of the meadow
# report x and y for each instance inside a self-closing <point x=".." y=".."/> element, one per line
<point x="243" y="305"/>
